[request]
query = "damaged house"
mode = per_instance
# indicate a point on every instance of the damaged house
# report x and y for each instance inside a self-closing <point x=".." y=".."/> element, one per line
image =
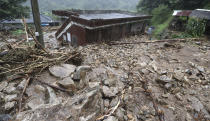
<point x="198" y="13"/>
<point x="87" y="26"/>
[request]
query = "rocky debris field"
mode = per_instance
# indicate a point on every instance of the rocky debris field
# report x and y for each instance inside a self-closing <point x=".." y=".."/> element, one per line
<point x="166" y="81"/>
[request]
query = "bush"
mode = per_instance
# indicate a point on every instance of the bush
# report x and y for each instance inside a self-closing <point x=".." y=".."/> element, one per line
<point x="196" y="27"/>
<point x="161" y="20"/>
<point x="160" y="15"/>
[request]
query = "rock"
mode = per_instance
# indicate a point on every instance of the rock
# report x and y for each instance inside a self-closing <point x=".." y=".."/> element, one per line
<point x="39" y="89"/>
<point x="165" y="95"/>
<point x="164" y="79"/>
<point x="94" y="84"/>
<point x="208" y="107"/>
<point x="179" y="97"/>
<point x="178" y="76"/>
<point x="109" y="92"/>
<point x="114" y="102"/>
<point x="106" y="103"/>
<point x="189" y="117"/>
<point x="2" y="95"/>
<point x="120" y="113"/>
<point x="37" y="96"/>
<point x="109" y="82"/>
<point x="9" y="105"/>
<point x="85" y="106"/>
<point x="168" y="86"/>
<point x="5" y="117"/>
<point x="130" y="117"/>
<point x="62" y="71"/>
<point x="67" y="83"/>
<point x="145" y="71"/>
<point x="111" y="118"/>
<point x="52" y="96"/>
<point x="11" y="40"/>
<point x="198" y="106"/>
<point x="81" y="72"/>
<point x="201" y="69"/>
<point x="22" y="84"/>
<point x="9" y="98"/>
<point x="10" y="88"/>
<point x="3" y="85"/>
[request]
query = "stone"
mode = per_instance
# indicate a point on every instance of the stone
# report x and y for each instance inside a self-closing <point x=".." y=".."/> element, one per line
<point x="81" y="72"/>
<point x="5" y="117"/>
<point x="106" y="103"/>
<point x="3" y="85"/>
<point x="109" y="82"/>
<point x="94" y="84"/>
<point x="37" y="96"/>
<point x="109" y="92"/>
<point x="208" y="107"/>
<point x="130" y="117"/>
<point x="10" y="88"/>
<point x="9" y="98"/>
<point x="178" y="76"/>
<point x="2" y="95"/>
<point x="145" y="71"/>
<point x="164" y="79"/>
<point x="114" y="102"/>
<point x="168" y="86"/>
<point x="11" y="40"/>
<point x="21" y="85"/>
<point x="111" y="118"/>
<point x="188" y="117"/>
<point x="62" y="71"/>
<point x="52" y="96"/>
<point x="39" y="89"/>
<point x="179" y="97"/>
<point x="201" y="69"/>
<point x="120" y="113"/>
<point x="67" y="83"/>
<point x="9" y="105"/>
<point x="81" y="107"/>
<point x="198" y="106"/>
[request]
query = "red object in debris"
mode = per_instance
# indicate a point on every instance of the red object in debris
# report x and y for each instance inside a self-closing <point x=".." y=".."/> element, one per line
<point x="87" y="26"/>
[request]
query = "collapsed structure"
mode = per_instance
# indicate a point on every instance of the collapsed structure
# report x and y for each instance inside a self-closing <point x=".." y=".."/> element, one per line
<point x="87" y="26"/>
<point x="198" y="13"/>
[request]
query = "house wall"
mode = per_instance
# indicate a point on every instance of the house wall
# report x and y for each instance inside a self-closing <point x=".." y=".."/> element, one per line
<point x="80" y="34"/>
<point x="75" y="35"/>
<point x="115" y="32"/>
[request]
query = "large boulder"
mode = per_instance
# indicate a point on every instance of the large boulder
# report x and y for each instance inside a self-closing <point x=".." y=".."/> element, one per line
<point x="62" y="71"/>
<point x="82" y="107"/>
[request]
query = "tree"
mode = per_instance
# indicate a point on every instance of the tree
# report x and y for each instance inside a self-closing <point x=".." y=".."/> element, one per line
<point x="10" y="9"/>
<point x="148" y="5"/>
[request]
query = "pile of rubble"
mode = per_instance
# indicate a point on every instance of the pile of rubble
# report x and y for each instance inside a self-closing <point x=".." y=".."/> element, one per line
<point x="138" y="82"/>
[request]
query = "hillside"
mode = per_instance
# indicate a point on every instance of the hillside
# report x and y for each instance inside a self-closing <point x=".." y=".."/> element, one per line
<point x="48" y="5"/>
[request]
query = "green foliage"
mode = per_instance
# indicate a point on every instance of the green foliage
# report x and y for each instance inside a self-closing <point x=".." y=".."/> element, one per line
<point x="10" y="9"/>
<point x="160" y="15"/>
<point x="17" y="32"/>
<point x="162" y="27"/>
<point x="161" y="19"/>
<point x="148" y="5"/>
<point x="196" y="27"/>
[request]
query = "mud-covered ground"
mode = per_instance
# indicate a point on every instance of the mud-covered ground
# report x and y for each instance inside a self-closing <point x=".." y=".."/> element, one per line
<point x="137" y="82"/>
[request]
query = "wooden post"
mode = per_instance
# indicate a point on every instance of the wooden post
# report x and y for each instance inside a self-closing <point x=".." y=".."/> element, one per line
<point x="37" y="22"/>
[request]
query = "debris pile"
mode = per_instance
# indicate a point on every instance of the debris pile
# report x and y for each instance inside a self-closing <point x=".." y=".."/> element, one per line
<point x="164" y="81"/>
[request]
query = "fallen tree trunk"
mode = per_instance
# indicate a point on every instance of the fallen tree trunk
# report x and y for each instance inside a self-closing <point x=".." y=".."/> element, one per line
<point x="154" y="41"/>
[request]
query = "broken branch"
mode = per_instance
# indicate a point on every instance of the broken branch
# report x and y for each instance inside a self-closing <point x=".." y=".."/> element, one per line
<point x="21" y="97"/>
<point x="155" y="41"/>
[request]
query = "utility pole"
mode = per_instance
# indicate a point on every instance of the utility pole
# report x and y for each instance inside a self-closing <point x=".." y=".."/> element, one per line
<point x="37" y="22"/>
